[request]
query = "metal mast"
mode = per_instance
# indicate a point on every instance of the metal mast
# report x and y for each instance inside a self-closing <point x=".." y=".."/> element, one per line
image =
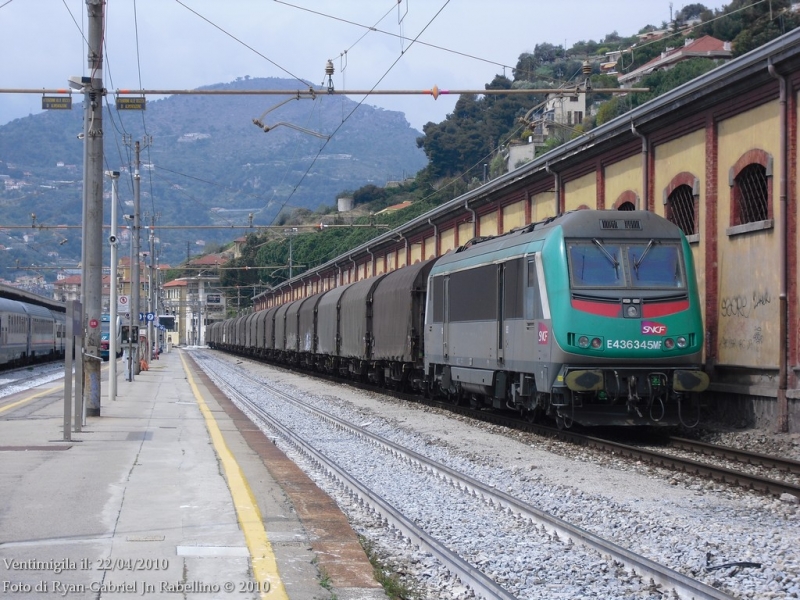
<point x="92" y="262"/>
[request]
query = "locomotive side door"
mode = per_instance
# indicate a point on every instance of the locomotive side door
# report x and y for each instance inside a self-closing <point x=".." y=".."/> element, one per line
<point x="445" y="316"/>
<point x="537" y="317"/>
<point x="501" y="289"/>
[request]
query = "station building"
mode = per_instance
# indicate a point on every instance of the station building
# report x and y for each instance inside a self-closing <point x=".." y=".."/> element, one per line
<point x="718" y="157"/>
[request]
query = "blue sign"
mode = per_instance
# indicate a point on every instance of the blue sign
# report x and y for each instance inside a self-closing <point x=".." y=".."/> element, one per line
<point x="141" y="316"/>
<point x="151" y="317"/>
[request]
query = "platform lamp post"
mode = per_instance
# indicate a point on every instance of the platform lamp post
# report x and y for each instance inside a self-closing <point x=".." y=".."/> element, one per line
<point x="112" y="326"/>
<point x="128" y="359"/>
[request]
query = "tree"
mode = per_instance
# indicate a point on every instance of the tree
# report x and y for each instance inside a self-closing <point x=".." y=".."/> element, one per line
<point x="546" y="53"/>
<point x="690" y="11"/>
<point x="468" y="137"/>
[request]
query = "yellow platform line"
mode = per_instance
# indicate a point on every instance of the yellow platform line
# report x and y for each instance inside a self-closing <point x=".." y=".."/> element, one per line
<point x="265" y="567"/>
<point x="29" y="398"/>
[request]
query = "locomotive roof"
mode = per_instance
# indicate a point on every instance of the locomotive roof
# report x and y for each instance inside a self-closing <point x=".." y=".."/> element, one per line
<point x="585" y="223"/>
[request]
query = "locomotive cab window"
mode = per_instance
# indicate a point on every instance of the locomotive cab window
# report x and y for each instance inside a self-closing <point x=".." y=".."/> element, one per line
<point x="655" y="265"/>
<point x="596" y="264"/>
<point x="641" y="264"/>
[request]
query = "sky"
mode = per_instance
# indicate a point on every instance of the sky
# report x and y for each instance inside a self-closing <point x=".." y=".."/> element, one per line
<point x="381" y="44"/>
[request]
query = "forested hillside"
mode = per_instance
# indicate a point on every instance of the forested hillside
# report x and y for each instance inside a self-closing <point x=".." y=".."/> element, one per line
<point x="206" y="164"/>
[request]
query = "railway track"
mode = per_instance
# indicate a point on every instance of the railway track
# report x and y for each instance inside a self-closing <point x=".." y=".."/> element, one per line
<point x="660" y="576"/>
<point x="719" y="473"/>
<point x="683" y="464"/>
<point x="736" y="455"/>
<point x="22" y="377"/>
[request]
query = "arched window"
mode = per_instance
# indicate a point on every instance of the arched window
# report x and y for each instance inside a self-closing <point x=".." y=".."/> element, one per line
<point x="681" y="203"/>
<point x="627" y="201"/>
<point x="750" y="195"/>
<point x="680" y="209"/>
<point x="750" y="180"/>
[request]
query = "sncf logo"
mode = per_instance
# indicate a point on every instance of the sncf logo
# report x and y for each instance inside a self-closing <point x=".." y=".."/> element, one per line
<point x="653" y="328"/>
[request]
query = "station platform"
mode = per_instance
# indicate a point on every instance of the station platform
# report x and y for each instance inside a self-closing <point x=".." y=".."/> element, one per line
<point x="170" y="493"/>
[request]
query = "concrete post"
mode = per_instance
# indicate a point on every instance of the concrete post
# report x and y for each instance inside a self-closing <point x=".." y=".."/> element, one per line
<point x="93" y="194"/>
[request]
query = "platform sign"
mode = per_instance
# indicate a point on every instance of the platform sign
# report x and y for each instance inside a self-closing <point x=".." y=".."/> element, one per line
<point x="131" y="103"/>
<point x="56" y="102"/>
<point x="77" y="317"/>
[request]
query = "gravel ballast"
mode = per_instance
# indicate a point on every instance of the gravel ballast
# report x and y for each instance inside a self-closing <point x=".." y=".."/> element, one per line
<point x="678" y="520"/>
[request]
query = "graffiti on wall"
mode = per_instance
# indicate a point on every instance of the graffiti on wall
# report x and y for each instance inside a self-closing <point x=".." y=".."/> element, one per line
<point x="744" y="326"/>
<point x="744" y="305"/>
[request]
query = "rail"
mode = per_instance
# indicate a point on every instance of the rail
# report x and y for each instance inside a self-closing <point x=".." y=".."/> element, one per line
<point x="684" y="587"/>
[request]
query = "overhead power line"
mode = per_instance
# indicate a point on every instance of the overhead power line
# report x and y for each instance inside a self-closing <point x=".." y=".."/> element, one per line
<point x="435" y="91"/>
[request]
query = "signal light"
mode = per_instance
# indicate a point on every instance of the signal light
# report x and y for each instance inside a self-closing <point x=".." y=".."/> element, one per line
<point x="596" y="343"/>
<point x="669" y="343"/>
<point x="682" y="343"/>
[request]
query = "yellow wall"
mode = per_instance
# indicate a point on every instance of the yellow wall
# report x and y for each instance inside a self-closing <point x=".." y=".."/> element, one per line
<point x="623" y="176"/>
<point x="581" y="191"/>
<point x="416" y="252"/>
<point x="430" y="247"/>
<point x="748" y="286"/>
<point x="797" y="208"/>
<point x="391" y="261"/>
<point x="543" y="206"/>
<point x="513" y="216"/>
<point x="464" y="233"/>
<point x="687" y="154"/>
<point x="448" y="240"/>
<point x="488" y="224"/>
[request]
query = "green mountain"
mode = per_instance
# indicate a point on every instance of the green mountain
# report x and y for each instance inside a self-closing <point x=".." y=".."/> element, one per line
<point x="207" y="164"/>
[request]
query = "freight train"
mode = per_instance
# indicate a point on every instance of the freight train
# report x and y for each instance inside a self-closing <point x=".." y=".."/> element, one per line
<point x="590" y="317"/>
<point x="30" y="333"/>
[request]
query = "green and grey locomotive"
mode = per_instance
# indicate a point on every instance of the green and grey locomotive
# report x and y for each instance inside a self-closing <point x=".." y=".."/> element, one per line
<point x="591" y="317"/>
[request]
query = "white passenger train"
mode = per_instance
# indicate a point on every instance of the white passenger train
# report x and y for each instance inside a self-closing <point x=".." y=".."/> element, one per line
<point x="30" y="333"/>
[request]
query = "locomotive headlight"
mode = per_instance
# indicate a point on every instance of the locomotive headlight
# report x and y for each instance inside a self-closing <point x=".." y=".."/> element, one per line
<point x="669" y="343"/>
<point x="632" y="311"/>
<point x="681" y="342"/>
<point x="583" y="341"/>
<point x="597" y="343"/>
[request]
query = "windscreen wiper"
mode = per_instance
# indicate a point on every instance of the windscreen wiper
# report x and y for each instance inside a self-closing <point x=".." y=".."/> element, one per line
<point x="610" y="256"/>
<point x="641" y="258"/>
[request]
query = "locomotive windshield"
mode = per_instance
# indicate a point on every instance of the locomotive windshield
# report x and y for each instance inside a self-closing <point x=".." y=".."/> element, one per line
<point x="596" y="264"/>
<point x="651" y="264"/>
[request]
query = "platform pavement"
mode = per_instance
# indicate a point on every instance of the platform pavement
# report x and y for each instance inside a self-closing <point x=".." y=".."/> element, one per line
<point x="141" y="502"/>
